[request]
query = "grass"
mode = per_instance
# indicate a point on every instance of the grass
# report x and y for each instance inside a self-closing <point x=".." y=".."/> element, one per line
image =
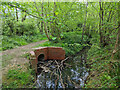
<point x="16" y="41"/>
<point x="48" y="43"/>
<point x="19" y="76"/>
<point x="26" y="55"/>
<point x="103" y="75"/>
<point x="6" y="59"/>
<point x="104" y="72"/>
<point x="71" y="43"/>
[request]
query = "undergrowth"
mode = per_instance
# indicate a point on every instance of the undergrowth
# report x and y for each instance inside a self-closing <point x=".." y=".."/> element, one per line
<point x="104" y="71"/>
<point x="15" y="41"/>
<point x="16" y="33"/>
<point x="70" y="42"/>
<point x="18" y="77"/>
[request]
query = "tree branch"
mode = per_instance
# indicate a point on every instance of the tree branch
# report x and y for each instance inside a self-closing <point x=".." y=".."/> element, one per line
<point x="24" y="11"/>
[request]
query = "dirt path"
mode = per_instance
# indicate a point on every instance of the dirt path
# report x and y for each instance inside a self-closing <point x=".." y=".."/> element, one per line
<point x="16" y="56"/>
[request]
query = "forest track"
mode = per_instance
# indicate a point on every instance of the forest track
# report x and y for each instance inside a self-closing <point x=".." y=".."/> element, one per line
<point x="16" y="56"/>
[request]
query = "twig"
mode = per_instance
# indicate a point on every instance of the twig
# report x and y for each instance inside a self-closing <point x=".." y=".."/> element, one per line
<point x="49" y="63"/>
<point x="68" y="77"/>
<point x="76" y="85"/>
<point x="61" y="80"/>
<point x="61" y="65"/>
<point x="56" y="70"/>
<point x="56" y="81"/>
<point x="68" y="65"/>
<point x="33" y="84"/>
<point x="64" y="60"/>
<point x="46" y="69"/>
<point x="52" y="73"/>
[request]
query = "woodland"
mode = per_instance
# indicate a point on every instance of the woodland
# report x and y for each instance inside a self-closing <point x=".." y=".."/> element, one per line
<point x="75" y="26"/>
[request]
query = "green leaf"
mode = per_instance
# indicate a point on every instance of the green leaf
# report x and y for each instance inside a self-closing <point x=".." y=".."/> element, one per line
<point x="56" y="13"/>
<point x="53" y="38"/>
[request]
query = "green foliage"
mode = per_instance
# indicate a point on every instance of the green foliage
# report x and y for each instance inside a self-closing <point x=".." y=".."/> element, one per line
<point x="54" y="38"/>
<point x="8" y="26"/>
<point x="26" y="28"/>
<point x="74" y="37"/>
<point x="71" y="43"/>
<point x="12" y="27"/>
<point x="11" y="42"/>
<point x="26" y="56"/>
<point x="104" y="69"/>
<point x="71" y="25"/>
<point x="72" y="49"/>
<point x="95" y="38"/>
<point x="18" y="78"/>
<point x="15" y="41"/>
<point x="17" y="33"/>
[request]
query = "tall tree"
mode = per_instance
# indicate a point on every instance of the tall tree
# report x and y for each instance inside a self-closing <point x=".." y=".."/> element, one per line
<point x="117" y="43"/>
<point x="44" y="22"/>
<point x="41" y="31"/>
<point x="16" y="14"/>
<point x="84" y="27"/>
<point x="101" y="23"/>
<point x="24" y="18"/>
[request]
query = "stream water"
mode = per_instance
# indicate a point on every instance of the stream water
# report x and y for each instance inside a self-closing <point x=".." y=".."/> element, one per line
<point x="72" y="77"/>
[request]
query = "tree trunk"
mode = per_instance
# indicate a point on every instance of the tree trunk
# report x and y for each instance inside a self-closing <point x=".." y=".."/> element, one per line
<point x="16" y="14"/>
<point x="9" y="11"/>
<point x="53" y="31"/>
<point x="48" y="26"/>
<point x="38" y="24"/>
<point x="107" y="28"/>
<point x="102" y="29"/>
<point x="84" y="28"/>
<point x="45" y="28"/>
<point x="56" y="29"/>
<point x="41" y="30"/>
<point x="117" y="44"/>
<point x="24" y="18"/>
<point x="100" y="24"/>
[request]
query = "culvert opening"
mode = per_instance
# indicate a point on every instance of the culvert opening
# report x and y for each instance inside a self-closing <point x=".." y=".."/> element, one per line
<point x="40" y="59"/>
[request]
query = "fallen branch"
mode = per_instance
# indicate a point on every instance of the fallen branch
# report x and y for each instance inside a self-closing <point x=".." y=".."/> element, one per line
<point x="55" y="70"/>
<point x="61" y="64"/>
<point x="61" y="80"/>
<point x="33" y="84"/>
<point x="64" y="60"/>
<point x="56" y="81"/>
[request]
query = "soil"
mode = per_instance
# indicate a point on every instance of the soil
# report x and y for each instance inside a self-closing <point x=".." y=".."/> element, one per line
<point x="17" y="56"/>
